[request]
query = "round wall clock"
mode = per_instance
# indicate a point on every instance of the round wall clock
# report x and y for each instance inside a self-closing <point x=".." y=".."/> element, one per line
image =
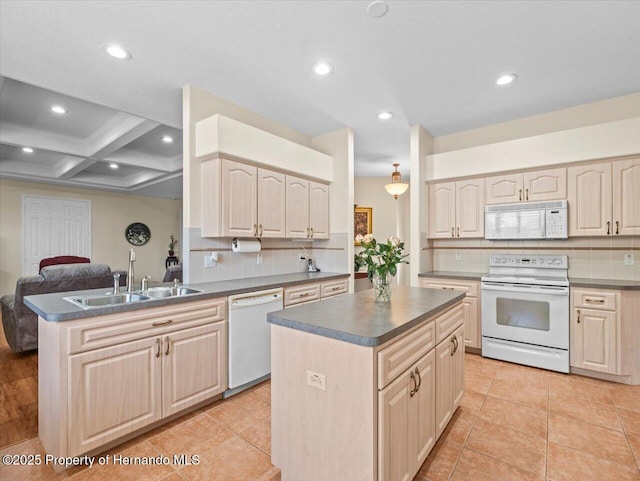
<point x="137" y="234"/>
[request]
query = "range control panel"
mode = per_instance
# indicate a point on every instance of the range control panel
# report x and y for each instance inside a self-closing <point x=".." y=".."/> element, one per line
<point x="554" y="262"/>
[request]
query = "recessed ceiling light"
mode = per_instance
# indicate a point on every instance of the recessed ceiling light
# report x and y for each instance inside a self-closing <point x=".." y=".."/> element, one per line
<point x="385" y="115"/>
<point x="118" y="52"/>
<point x="27" y="150"/>
<point x="113" y="165"/>
<point x="58" y="109"/>
<point x="377" y="9"/>
<point x="167" y="140"/>
<point x="507" y="79"/>
<point x="322" y="68"/>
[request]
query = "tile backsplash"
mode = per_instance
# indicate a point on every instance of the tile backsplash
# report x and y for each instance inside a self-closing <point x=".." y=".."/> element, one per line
<point x="279" y="256"/>
<point x="592" y="257"/>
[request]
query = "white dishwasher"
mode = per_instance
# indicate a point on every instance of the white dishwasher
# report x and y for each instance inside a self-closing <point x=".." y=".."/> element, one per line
<point x="250" y="338"/>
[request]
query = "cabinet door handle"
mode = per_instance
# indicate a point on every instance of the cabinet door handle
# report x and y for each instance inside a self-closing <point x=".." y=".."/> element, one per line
<point x="261" y="230"/>
<point x="311" y="229"/>
<point x="158" y="343"/>
<point x="608" y="228"/>
<point x="617" y="227"/>
<point x="166" y="351"/>
<point x="455" y="344"/>
<point x="417" y="371"/>
<point x="307" y="232"/>
<point x="453" y="349"/>
<point x="458" y="231"/>
<point x="453" y="232"/>
<point x="578" y="316"/>
<point x="520" y="194"/>
<point x="414" y="390"/>
<point x="526" y="194"/>
<point x="164" y="323"/>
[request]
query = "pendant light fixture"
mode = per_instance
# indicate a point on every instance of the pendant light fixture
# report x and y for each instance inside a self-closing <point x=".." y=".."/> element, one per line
<point x="396" y="187"/>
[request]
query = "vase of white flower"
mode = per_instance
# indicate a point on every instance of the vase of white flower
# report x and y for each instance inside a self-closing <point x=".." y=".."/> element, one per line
<point x="381" y="260"/>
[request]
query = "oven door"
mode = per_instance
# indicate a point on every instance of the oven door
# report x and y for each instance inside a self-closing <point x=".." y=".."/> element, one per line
<point x="526" y="313"/>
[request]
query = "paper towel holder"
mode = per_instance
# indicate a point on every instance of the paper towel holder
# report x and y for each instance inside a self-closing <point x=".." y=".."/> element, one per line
<point x="234" y="242"/>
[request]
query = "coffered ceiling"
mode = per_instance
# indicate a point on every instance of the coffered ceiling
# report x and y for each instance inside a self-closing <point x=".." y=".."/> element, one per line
<point x="88" y="146"/>
<point x="430" y="63"/>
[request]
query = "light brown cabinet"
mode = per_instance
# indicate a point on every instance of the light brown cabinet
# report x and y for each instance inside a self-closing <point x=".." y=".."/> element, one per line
<point x="449" y="378"/>
<point x="456" y="209"/>
<point x="307" y="209"/>
<point x="271" y="203"/>
<point x="242" y="200"/>
<point x="541" y="185"/>
<point x="118" y="373"/>
<point x="406" y="425"/>
<point x="470" y="305"/>
<point x="604" y="198"/>
<point x="314" y="291"/>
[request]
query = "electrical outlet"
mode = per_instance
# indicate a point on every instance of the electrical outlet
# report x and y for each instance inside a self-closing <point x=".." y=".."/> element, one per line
<point x="629" y="260"/>
<point x="259" y="259"/>
<point x="316" y="380"/>
<point x="458" y="256"/>
<point x="208" y="261"/>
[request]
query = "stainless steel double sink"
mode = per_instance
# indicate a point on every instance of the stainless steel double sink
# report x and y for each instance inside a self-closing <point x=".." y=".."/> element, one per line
<point x="110" y="299"/>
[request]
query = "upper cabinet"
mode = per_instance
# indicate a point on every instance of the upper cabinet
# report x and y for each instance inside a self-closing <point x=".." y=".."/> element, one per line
<point x="242" y="200"/>
<point x="604" y="198"/>
<point x="456" y="209"/>
<point x="548" y="184"/>
<point x="307" y="208"/>
<point x="271" y="203"/>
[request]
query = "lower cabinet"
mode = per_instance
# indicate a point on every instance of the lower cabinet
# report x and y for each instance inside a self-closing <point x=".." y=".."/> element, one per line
<point x="471" y="305"/>
<point x="407" y="431"/>
<point x="150" y="364"/>
<point x="449" y="378"/>
<point x="415" y="408"/>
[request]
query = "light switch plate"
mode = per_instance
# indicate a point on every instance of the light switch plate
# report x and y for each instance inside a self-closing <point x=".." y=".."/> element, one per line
<point x="458" y="256"/>
<point x="629" y="260"/>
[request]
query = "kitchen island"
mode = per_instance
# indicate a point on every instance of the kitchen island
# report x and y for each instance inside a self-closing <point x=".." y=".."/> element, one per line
<point x="362" y="390"/>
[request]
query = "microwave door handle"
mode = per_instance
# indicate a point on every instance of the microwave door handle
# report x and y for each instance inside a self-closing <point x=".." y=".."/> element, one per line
<point x="549" y="290"/>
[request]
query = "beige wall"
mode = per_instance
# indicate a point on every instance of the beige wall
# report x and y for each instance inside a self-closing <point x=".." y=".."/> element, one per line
<point x="389" y="214"/>
<point x="111" y="213"/>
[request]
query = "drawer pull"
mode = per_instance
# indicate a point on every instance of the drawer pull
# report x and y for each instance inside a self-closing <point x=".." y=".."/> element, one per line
<point x="305" y="294"/>
<point x="415" y="384"/>
<point x="449" y="288"/>
<point x="594" y="300"/>
<point x="337" y="288"/>
<point x="164" y="323"/>
<point x="166" y="352"/>
<point x="578" y="316"/>
<point x="158" y="342"/>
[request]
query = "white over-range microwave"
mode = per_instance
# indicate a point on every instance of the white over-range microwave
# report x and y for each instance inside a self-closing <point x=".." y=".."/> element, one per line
<point x="526" y="220"/>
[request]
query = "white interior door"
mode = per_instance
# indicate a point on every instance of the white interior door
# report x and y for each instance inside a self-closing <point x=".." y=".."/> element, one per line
<point x="54" y="227"/>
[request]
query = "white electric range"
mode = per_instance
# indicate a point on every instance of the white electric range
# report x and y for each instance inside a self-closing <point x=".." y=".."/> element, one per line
<point x="525" y="310"/>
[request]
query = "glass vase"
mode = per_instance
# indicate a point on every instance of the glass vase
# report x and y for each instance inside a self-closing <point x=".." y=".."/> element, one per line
<point x="382" y="287"/>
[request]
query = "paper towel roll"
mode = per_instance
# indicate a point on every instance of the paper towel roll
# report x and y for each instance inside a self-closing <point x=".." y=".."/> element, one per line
<point x="240" y="245"/>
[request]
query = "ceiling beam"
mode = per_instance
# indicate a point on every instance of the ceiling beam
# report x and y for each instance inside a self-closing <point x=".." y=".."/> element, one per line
<point x="118" y="132"/>
<point x="70" y="169"/>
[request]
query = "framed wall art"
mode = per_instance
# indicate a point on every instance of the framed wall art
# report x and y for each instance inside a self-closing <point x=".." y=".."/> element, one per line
<point x="362" y="222"/>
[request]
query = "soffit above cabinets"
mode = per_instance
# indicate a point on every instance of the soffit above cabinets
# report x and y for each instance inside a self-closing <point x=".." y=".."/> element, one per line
<point x="77" y="148"/>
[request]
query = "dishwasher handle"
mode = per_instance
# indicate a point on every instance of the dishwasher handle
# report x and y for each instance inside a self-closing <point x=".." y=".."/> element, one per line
<point x="255" y="299"/>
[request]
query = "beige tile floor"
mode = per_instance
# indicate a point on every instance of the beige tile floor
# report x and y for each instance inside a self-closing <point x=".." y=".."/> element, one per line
<point x="515" y="423"/>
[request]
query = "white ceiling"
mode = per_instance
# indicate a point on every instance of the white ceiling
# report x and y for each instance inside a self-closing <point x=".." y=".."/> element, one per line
<point x="432" y="63"/>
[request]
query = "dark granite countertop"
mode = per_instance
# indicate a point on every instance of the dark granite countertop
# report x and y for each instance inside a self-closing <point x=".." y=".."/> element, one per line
<point x="53" y="307"/>
<point x="472" y="276"/>
<point x="359" y="319"/>
<point x="604" y="283"/>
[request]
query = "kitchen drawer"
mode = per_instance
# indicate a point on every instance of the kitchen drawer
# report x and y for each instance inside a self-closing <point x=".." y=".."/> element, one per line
<point x="595" y="299"/>
<point x="111" y="329"/>
<point x="448" y="322"/>
<point x="334" y="288"/>
<point x="299" y="294"/>
<point x="470" y="287"/>
<point x="399" y="356"/>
